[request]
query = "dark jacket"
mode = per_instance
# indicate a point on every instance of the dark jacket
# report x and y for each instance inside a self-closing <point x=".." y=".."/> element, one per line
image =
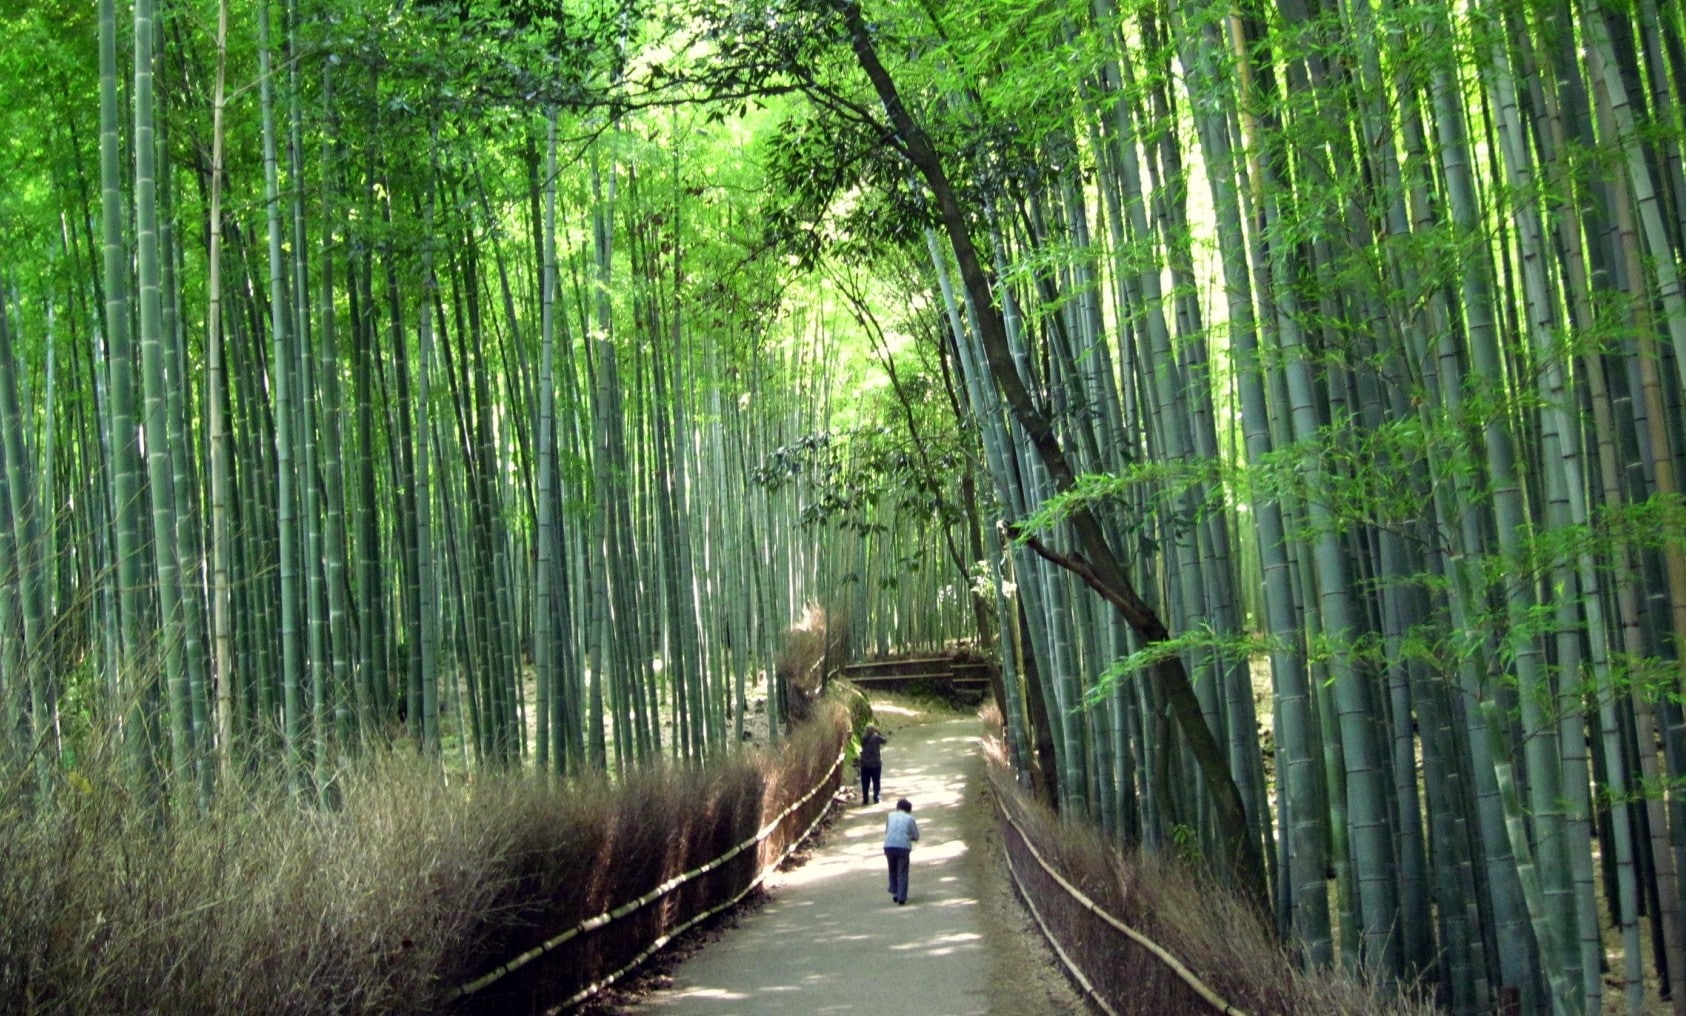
<point x="869" y="749"/>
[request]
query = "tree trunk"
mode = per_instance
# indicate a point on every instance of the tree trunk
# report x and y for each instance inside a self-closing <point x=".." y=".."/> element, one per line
<point x="1100" y="567"/>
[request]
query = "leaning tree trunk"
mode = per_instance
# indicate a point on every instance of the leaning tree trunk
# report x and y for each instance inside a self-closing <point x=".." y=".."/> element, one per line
<point x="1101" y="570"/>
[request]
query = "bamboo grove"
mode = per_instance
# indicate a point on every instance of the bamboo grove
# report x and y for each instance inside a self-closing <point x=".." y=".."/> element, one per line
<point x="340" y="415"/>
<point x="1355" y="332"/>
<point x="1295" y="388"/>
<point x="1342" y="338"/>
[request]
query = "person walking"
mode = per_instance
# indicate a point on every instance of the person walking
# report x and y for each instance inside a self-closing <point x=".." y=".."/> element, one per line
<point x="900" y="833"/>
<point x="872" y="765"/>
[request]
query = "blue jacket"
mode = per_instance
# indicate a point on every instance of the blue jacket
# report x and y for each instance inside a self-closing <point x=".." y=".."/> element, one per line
<point x="901" y="830"/>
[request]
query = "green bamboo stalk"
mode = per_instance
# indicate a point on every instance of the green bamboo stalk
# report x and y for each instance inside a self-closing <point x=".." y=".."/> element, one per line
<point x="306" y="425"/>
<point x="129" y="684"/>
<point x="217" y="439"/>
<point x="185" y="511"/>
<point x="281" y="386"/>
<point x="427" y="606"/>
<point x="33" y="686"/>
<point x="552" y="753"/>
<point x="350" y="699"/>
<point x="155" y="383"/>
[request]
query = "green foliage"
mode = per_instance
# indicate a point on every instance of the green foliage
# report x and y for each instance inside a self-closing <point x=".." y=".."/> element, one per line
<point x="1344" y="269"/>
<point x="837" y="190"/>
<point x="1185" y="845"/>
<point x="1197" y="641"/>
<point x="855" y="481"/>
<point x="474" y="56"/>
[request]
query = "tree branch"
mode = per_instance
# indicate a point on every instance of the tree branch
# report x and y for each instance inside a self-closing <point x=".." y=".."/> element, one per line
<point x="1101" y="570"/>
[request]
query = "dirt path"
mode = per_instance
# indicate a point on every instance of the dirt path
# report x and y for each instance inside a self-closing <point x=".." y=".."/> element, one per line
<point x="830" y="940"/>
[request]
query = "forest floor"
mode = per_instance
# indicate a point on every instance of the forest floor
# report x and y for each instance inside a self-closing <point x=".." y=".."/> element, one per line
<point x="826" y="937"/>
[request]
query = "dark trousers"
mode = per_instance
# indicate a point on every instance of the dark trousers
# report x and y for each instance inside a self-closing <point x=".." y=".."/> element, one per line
<point x="870" y="779"/>
<point x="897" y="856"/>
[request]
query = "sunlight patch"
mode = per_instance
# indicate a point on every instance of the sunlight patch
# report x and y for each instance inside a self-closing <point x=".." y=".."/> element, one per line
<point x="720" y="994"/>
<point x="880" y="706"/>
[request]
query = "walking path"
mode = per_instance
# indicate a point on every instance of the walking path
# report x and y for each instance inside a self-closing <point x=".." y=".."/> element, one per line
<point x="830" y="940"/>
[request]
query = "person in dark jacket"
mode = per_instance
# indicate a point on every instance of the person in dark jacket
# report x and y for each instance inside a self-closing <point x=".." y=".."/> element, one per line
<point x="872" y="764"/>
<point x="900" y="833"/>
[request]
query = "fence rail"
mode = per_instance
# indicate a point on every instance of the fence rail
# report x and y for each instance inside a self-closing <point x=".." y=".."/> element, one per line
<point x="1142" y="944"/>
<point x="632" y="906"/>
<point x="949" y="674"/>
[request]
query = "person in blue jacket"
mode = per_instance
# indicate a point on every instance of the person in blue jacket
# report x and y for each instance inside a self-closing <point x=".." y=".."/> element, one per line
<point x="900" y="833"/>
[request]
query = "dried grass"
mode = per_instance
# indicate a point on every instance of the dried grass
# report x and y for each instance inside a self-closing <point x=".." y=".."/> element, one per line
<point x="409" y="888"/>
<point x="808" y="650"/>
<point x="1211" y="931"/>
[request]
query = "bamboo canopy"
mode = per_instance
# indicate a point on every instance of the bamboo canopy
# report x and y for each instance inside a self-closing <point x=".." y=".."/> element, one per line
<point x="1286" y="398"/>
